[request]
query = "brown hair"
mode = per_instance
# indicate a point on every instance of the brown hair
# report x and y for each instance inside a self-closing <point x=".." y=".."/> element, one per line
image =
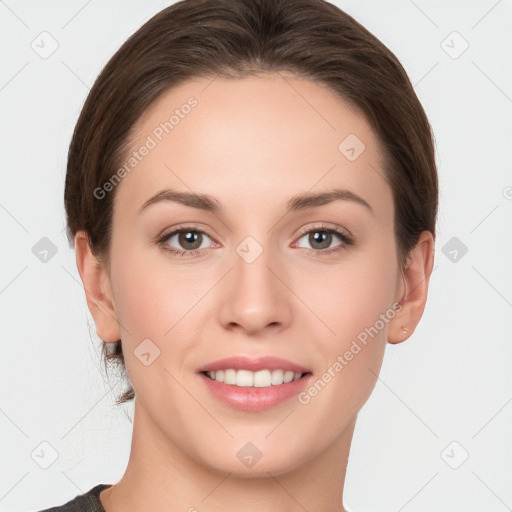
<point x="234" y="38"/>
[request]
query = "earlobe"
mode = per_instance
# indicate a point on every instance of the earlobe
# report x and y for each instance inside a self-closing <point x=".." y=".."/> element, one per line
<point x="416" y="278"/>
<point x="98" y="291"/>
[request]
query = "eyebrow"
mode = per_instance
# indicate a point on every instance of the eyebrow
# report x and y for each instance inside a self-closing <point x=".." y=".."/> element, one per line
<point x="296" y="203"/>
<point x="304" y="201"/>
<point x="192" y="199"/>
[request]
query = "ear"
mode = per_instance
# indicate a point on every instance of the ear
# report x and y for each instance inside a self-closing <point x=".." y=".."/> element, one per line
<point x="98" y="290"/>
<point x="416" y="277"/>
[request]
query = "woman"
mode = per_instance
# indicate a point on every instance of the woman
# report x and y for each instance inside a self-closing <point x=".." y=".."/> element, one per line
<point x="252" y="195"/>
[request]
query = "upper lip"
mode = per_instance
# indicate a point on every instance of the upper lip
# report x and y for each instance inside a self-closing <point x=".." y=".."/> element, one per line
<point x="254" y="364"/>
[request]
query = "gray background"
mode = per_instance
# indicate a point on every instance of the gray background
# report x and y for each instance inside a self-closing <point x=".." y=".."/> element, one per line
<point x="442" y="396"/>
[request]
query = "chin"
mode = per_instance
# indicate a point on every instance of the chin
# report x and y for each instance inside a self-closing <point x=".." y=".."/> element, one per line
<point x="246" y="460"/>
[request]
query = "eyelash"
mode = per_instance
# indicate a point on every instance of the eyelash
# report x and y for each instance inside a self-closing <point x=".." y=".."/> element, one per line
<point x="342" y="235"/>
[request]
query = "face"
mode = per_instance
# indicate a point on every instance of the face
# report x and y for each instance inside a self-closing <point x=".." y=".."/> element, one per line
<point x="285" y="287"/>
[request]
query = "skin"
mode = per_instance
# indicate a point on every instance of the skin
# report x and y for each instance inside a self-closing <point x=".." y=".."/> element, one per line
<point x="252" y="155"/>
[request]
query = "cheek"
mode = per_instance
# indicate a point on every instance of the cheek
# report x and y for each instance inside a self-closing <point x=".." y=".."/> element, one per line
<point x="160" y="303"/>
<point x="152" y="297"/>
<point x="357" y="305"/>
<point x="153" y="307"/>
<point x="352" y="357"/>
<point x="143" y="309"/>
<point x="352" y="298"/>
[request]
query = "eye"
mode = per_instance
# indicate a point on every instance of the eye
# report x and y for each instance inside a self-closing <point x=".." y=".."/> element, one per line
<point x="188" y="239"/>
<point x="321" y="238"/>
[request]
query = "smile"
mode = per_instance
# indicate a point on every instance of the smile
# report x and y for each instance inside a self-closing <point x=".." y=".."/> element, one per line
<point x="259" y="379"/>
<point x="254" y="384"/>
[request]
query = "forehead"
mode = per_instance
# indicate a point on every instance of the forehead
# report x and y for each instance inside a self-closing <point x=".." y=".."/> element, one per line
<point x="252" y="142"/>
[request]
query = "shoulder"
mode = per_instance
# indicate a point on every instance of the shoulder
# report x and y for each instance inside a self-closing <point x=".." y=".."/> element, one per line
<point x="87" y="502"/>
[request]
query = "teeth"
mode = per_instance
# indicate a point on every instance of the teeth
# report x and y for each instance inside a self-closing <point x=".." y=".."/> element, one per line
<point x="259" y="379"/>
<point x="277" y="377"/>
<point x="288" y="376"/>
<point x="262" y="379"/>
<point x="230" y="377"/>
<point x="243" y="378"/>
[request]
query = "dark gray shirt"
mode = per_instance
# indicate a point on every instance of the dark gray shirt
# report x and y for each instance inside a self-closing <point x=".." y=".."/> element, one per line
<point x="87" y="502"/>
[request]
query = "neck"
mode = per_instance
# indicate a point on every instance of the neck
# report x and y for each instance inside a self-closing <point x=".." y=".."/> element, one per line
<point x="160" y="477"/>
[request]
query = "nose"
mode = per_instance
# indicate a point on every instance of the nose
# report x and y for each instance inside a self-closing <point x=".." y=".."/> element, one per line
<point x="255" y="294"/>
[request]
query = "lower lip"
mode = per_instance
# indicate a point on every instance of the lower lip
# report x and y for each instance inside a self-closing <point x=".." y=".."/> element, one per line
<point x="252" y="398"/>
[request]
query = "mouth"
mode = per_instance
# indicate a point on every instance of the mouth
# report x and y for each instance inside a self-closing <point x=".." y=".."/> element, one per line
<point x="249" y="384"/>
<point x="249" y="379"/>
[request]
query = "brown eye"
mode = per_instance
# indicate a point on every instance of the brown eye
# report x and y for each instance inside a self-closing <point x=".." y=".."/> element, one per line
<point x="320" y="239"/>
<point x="185" y="241"/>
<point x="189" y="239"/>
